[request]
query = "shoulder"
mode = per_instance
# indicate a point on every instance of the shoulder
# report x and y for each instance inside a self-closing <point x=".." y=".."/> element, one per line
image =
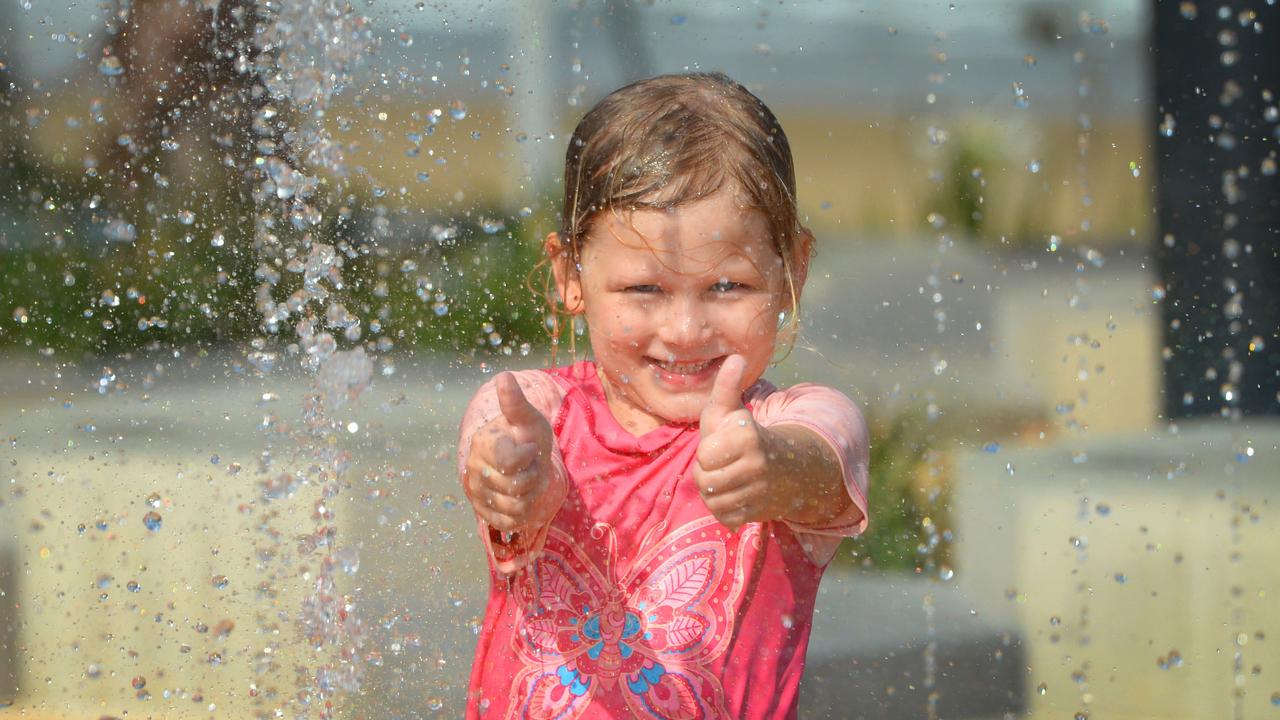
<point x="768" y="401"/>
<point x="829" y="412"/>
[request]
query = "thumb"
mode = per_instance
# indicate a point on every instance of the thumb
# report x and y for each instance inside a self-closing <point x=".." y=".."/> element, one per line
<point x="726" y="393"/>
<point x="523" y="417"/>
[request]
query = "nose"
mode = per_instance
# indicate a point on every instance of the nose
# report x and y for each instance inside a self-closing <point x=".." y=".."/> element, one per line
<point x="686" y="324"/>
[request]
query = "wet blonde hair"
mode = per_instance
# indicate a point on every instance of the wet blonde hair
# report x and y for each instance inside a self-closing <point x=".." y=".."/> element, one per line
<point x="671" y="140"/>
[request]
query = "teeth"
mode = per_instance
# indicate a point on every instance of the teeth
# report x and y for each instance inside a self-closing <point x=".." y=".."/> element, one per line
<point x="685" y="368"/>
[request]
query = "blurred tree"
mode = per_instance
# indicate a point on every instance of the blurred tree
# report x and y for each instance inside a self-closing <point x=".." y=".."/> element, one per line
<point x="1217" y="73"/>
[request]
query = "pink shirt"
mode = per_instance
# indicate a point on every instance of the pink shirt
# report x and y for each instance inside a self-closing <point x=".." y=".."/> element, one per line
<point x="634" y="601"/>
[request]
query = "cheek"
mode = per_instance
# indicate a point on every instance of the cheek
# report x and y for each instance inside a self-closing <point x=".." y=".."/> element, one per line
<point x="619" y="326"/>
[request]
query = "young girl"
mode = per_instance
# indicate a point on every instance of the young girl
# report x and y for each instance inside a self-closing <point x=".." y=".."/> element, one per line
<point x="657" y="519"/>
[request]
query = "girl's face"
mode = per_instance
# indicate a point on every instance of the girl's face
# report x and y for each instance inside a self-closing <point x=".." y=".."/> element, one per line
<point x="669" y="294"/>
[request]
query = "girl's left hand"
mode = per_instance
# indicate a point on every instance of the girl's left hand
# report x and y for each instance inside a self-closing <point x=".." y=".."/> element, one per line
<point x="732" y="467"/>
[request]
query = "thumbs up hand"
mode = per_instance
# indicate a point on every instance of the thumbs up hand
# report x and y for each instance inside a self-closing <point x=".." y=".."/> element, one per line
<point x="509" y="465"/>
<point x="731" y="468"/>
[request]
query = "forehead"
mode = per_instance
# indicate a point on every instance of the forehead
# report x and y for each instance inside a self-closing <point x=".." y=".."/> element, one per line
<point x="714" y="228"/>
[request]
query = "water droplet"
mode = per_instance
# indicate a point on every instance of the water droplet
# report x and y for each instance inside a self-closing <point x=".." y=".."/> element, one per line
<point x="945" y="573"/>
<point x="219" y="238"/>
<point x="1168" y="125"/>
<point x="1121" y="578"/>
<point x="152" y="521"/>
<point x="111" y="66"/>
<point x="457" y="110"/>
<point x="1275" y="699"/>
<point x="1042" y="688"/>
<point x="153" y="500"/>
<point x="1009" y="468"/>
<point x="1189" y="10"/>
<point x="423" y="176"/>
<point x="20" y="315"/>
<point x="1020" y="97"/>
<point x="991" y="447"/>
<point x="133" y="586"/>
<point x="118" y="230"/>
<point x="186" y="217"/>
<point x="1033" y="166"/>
<point x="348" y="559"/>
<point x="219" y="581"/>
<point x="138" y="682"/>
<point x="1093" y="25"/>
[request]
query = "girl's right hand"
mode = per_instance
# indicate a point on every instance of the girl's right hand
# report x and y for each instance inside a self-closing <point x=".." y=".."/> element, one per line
<point x="509" y="465"/>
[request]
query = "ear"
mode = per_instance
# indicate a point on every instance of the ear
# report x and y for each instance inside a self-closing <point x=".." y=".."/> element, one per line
<point x="802" y="251"/>
<point x="568" y="284"/>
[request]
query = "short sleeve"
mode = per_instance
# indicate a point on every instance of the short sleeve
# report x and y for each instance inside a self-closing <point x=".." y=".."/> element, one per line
<point x="546" y="395"/>
<point x="836" y="419"/>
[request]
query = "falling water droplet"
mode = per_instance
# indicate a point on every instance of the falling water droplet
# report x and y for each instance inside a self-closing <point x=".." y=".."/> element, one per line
<point x="118" y="230"/>
<point x="152" y="521"/>
<point x="1020" y="97"/>
<point x="111" y="66"/>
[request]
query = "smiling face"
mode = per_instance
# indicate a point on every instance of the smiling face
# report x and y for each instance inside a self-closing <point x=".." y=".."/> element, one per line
<point x="669" y="294"/>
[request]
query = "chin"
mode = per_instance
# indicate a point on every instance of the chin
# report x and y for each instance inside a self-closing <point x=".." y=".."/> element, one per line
<point x="684" y="412"/>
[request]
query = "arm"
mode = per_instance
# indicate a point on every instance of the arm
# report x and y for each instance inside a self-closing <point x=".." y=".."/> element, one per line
<point x="806" y="477"/>
<point x="799" y="456"/>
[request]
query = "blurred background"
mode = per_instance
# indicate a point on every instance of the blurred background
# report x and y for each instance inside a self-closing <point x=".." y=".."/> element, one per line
<point x="254" y="259"/>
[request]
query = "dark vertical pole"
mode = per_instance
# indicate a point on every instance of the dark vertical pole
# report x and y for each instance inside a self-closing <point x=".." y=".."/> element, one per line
<point x="1217" y="82"/>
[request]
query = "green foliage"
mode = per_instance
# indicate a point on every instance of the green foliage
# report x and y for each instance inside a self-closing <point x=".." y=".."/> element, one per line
<point x="960" y="197"/>
<point x="897" y="505"/>
<point x="465" y="294"/>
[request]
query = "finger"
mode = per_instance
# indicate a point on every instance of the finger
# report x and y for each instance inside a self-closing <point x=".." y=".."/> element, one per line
<point x="723" y="447"/>
<point x="497" y="520"/>
<point x="510" y="458"/>
<point x="723" y="483"/>
<point x="726" y="393"/>
<point x="515" y="508"/>
<point x="515" y="485"/>
<point x="522" y="415"/>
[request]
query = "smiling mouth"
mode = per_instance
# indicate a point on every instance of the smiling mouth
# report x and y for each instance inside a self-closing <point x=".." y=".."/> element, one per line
<point x="685" y="367"/>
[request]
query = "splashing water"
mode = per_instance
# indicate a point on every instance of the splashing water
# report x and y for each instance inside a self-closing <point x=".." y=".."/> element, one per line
<point x="304" y="56"/>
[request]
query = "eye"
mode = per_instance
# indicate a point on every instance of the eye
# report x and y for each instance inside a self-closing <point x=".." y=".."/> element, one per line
<point x="725" y="286"/>
<point x="643" y="289"/>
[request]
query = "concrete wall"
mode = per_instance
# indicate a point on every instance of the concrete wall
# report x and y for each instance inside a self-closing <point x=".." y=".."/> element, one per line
<point x="1114" y="555"/>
